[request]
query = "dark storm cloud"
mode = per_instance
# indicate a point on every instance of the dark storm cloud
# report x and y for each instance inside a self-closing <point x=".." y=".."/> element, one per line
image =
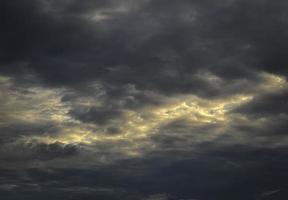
<point x="275" y="127"/>
<point x="159" y="43"/>
<point x="271" y="104"/>
<point x="95" y="115"/>
<point x="42" y="39"/>
<point x="75" y="6"/>
<point x="238" y="172"/>
<point x="53" y="150"/>
<point x="25" y="152"/>
<point x="272" y="110"/>
<point x="182" y="134"/>
<point x="15" y="130"/>
<point x="111" y="57"/>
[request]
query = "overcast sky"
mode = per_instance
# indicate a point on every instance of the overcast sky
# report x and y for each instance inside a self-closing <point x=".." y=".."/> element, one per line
<point x="143" y="100"/>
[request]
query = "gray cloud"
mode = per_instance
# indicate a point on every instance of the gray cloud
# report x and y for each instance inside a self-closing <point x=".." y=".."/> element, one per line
<point x="149" y="99"/>
<point x="25" y="152"/>
<point x="97" y="116"/>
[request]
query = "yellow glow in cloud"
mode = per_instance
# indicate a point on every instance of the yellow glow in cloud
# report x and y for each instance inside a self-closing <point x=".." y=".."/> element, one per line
<point x="141" y="123"/>
<point x="45" y="105"/>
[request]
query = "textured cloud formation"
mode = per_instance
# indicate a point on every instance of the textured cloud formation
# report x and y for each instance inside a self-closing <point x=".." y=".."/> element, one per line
<point x="41" y="116"/>
<point x="146" y="99"/>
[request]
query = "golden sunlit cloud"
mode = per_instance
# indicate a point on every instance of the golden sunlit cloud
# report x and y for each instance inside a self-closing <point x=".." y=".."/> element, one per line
<point x="43" y="105"/>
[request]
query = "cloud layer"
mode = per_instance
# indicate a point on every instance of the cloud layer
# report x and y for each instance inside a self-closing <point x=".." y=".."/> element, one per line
<point x="128" y="98"/>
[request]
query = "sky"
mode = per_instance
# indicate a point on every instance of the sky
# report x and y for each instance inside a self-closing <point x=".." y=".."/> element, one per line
<point x="143" y="100"/>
